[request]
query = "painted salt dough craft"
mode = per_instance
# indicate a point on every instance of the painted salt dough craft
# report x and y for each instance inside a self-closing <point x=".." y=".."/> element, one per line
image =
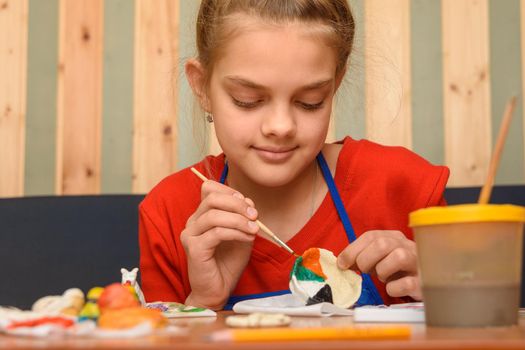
<point x="315" y="278"/>
<point x="69" y="303"/>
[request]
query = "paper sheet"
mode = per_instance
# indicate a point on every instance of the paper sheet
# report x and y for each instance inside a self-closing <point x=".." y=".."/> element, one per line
<point x="289" y="305"/>
<point x="176" y="310"/>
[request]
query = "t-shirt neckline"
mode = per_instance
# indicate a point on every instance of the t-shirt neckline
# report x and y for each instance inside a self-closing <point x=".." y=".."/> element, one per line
<point x="315" y="226"/>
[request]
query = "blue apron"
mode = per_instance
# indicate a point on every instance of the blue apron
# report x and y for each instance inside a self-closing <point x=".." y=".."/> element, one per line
<point x="369" y="293"/>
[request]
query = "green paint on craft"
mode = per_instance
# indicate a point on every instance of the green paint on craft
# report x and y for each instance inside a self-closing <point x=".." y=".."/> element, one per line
<point x="302" y="273"/>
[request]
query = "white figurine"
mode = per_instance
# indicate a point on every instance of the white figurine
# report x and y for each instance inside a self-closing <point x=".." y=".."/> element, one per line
<point x="69" y="303"/>
<point x="131" y="278"/>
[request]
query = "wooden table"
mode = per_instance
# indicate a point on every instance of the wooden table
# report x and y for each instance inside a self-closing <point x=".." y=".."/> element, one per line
<point x="192" y="334"/>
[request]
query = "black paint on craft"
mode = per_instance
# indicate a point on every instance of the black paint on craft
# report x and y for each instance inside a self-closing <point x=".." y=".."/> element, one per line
<point x="323" y="295"/>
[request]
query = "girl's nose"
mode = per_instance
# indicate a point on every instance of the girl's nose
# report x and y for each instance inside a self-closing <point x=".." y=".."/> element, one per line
<point x="280" y="122"/>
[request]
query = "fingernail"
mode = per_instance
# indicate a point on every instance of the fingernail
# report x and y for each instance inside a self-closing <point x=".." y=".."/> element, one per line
<point x="252" y="212"/>
<point x="252" y="225"/>
<point x="238" y="195"/>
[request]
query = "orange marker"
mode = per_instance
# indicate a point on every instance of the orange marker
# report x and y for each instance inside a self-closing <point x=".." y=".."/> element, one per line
<point x="291" y="334"/>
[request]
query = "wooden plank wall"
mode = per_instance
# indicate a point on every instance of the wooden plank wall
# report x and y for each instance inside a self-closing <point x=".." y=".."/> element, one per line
<point x="384" y="62"/>
<point x="155" y="107"/>
<point x="466" y="83"/>
<point x="13" y="51"/>
<point x="79" y="103"/>
<point x="387" y="52"/>
<point x="522" y="32"/>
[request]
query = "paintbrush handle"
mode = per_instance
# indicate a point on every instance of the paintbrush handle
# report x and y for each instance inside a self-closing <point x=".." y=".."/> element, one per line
<point x="484" y="196"/>
<point x="274" y="237"/>
<point x="262" y="226"/>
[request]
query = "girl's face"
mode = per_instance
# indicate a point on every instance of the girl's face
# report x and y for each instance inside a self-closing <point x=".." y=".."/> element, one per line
<point x="271" y="98"/>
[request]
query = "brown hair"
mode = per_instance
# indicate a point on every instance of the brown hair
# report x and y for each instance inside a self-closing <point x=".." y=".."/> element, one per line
<point x="215" y="15"/>
<point x="217" y="19"/>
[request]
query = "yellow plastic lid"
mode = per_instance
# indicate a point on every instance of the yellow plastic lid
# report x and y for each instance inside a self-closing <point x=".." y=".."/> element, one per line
<point x="464" y="213"/>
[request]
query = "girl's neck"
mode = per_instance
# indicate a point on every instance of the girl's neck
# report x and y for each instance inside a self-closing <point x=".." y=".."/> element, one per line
<point x="286" y="209"/>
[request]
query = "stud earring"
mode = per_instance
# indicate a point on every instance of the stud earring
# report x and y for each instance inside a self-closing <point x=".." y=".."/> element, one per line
<point x="209" y="117"/>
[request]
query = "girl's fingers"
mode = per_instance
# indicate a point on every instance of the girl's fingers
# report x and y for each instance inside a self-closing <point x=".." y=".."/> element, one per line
<point x="405" y="286"/>
<point x="375" y="252"/>
<point x="219" y="219"/>
<point x="207" y="242"/>
<point x="249" y="202"/>
<point x="399" y="260"/>
<point x="347" y="258"/>
<point x="391" y="256"/>
<point x="232" y="202"/>
<point x="210" y="186"/>
<point x="215" y="236"/>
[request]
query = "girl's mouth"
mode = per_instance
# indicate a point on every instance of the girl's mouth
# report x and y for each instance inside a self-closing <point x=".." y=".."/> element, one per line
<point x="274" y="154"/>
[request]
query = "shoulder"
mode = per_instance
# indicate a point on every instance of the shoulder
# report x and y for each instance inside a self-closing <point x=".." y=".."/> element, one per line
<point x="376" y="155"/>
<point x="395" y="170"/>
<point x="179" y="193"/>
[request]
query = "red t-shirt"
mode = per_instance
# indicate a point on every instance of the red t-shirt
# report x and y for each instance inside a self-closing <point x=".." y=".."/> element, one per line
<point x="378" y="185"/>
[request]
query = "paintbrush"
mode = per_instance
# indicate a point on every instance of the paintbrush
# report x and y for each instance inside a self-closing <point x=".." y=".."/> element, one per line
<point x="262" y="226"/>
<point x="484" y="196"/>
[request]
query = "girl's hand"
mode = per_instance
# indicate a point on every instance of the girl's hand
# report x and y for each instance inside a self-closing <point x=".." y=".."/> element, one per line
<point x="388" y="254"/>
<point x="218" y="240"/>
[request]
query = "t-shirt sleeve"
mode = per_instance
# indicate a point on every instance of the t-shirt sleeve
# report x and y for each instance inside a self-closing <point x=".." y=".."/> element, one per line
<point x="437" y="187"/>
<point x="160" y="272"/>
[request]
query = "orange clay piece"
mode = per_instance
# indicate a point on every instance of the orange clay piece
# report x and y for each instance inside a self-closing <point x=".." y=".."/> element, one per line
<point x="311" y="261"/>
<point x="130" y="317"/>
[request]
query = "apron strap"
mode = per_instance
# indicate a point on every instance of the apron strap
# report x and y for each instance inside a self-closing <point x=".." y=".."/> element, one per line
<point x="369" y="293"/>
<point x="224" y="173"/>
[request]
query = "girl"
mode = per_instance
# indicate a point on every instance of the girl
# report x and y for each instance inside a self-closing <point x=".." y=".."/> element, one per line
<point x="266" y="74"/>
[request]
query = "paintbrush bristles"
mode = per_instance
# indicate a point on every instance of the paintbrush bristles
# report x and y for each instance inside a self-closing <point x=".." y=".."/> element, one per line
<point x="484" y="196"/>
<point x="266" y="230"/>
<point x="262" y="226"/>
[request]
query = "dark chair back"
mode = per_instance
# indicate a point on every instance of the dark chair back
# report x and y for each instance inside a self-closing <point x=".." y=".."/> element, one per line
<point x="50" y="244"/>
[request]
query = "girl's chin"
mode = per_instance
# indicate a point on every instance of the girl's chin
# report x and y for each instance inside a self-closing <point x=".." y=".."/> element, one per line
<point x="268" y="177"/>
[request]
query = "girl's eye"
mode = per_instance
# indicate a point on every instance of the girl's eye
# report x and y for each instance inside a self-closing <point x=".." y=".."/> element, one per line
<point x="311" y="106"/>
<point x="246" y="104"/>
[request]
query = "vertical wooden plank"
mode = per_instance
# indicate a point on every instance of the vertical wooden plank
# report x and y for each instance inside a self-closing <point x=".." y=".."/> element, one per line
<point x="349" y="115"/>
<point x="13" y="63"/>
<point x="466" y="78"/>
<point x="522" y="36"/>
<point x="192" y="133"/>
<point x="387" y="71"/>
<point x="79" y="97"/>
<point x="155" y="91"/>
<point x="39" y="174"/>
<point x="505" y="68"/>
<point x="427" y="80"/>
<point x="117" y="120"/>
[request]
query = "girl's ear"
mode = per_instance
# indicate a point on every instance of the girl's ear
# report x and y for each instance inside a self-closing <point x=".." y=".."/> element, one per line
<point x="196" y="74"/>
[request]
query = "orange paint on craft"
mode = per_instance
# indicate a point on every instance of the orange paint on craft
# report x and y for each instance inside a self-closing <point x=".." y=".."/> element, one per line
<point x="311" y="261"/>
